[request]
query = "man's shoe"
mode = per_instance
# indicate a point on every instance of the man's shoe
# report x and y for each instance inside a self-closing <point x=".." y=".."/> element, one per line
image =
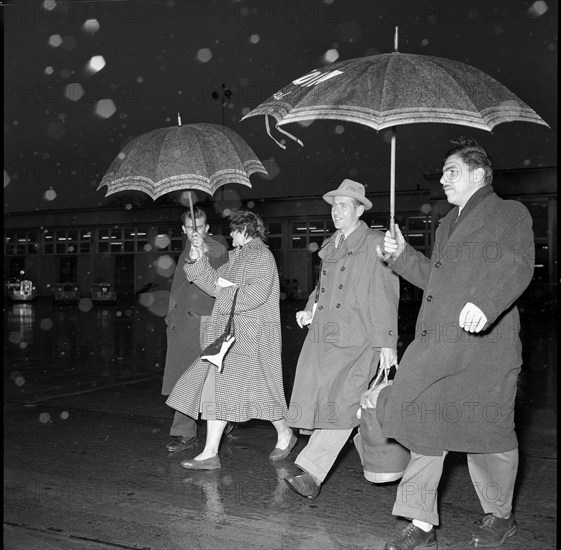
<point x="212" y="463"/>
<point x="493" y="531"/>
<point x="304" y="485"/>
<point x="179" y="443"/>
<point x="278" y="454"/>
<point x="413" y="538"/>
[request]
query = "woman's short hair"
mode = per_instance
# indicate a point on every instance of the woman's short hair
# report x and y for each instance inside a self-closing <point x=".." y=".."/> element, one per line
<point x="249" y="223"/>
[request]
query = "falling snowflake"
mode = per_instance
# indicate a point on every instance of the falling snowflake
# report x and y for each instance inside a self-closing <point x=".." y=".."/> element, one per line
<point x="55" y="40"/>
<point x="91" y="26"/>
<point x="204" y="55"/>
<point x="331" y="55"/>
<point x="105" y="108"/>
<point x="95" y="64"/>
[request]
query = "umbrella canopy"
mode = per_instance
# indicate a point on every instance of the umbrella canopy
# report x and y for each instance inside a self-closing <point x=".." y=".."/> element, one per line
<point x="194" y="156"/>
<point x="387" y="90"/>
<point x="381" y="91"/>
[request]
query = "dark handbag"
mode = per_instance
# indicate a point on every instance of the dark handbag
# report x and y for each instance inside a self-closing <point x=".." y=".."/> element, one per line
<point x="215" y="352"/>
<point x="383" y="460"/>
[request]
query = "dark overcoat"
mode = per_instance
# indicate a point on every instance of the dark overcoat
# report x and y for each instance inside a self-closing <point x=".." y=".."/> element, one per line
<point x="455" y="390"/>
<point x="187" y="303"/>
<point x="356" y="315"/>
<point x="250" y="384"/>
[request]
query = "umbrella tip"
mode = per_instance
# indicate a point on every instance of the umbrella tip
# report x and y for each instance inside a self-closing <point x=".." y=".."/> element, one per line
<point x="178" y="119"/>
<point x="395" y="38"/>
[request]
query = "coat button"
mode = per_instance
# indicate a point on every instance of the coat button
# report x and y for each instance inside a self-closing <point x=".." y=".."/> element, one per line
<point x="340" y="286"/>
<point x="390" y="332"/>
<point x="320" y="307"/>
<point x="343" y="268"/>
<point x="350" y="253"/>
<point x="323" y="289"/>
<point x="437" y="264"/>
<point x="337" y="305"/>
<point x="324" y="272"/>
<point x="429" y="298"/>
<point x="423" y="333"/>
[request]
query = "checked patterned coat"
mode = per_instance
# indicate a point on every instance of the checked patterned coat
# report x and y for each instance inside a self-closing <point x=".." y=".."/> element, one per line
<point x="250" y="384"/>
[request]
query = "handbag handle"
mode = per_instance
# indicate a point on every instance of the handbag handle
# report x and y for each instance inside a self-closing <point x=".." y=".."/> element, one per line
<point x="230" y="326"/>
<point x="378" y="378"/>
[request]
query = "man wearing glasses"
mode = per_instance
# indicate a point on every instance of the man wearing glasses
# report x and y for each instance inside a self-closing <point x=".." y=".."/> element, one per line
<point x="456" y="384"/>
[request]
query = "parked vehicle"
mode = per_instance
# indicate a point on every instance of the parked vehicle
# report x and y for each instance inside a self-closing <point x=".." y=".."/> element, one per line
<point x="66" y="293"/>
<point x="21" y="291"/>
<point x="103" y="293"/>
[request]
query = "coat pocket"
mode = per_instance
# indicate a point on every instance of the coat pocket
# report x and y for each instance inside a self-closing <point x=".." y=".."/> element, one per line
<point x="247" y="330"/>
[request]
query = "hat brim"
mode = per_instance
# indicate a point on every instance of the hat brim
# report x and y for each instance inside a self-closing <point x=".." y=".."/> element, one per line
<point x="328" y="197"/>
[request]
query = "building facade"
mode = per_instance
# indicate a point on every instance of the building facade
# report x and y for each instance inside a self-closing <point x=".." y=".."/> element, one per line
<point x="137" y="248"/>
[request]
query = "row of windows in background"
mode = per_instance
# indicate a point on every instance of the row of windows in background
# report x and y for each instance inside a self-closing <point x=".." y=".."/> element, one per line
<point x="303" y="235"/>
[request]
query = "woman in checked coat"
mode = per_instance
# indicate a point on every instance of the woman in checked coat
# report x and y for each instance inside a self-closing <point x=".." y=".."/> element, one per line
<point x="250" y="383"/>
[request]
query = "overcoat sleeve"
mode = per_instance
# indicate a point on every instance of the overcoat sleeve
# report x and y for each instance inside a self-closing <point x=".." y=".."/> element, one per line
<point x="413" y="266"/>
<point x="203" y="275"/>
<point x="508" y="265"/>
<point x="257" y="286"/>
<point x="384" y="304"/>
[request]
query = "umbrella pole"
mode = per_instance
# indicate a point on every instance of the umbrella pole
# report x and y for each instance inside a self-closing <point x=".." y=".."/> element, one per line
<point x="392" y="184"/>
<point x="192" y="212"/>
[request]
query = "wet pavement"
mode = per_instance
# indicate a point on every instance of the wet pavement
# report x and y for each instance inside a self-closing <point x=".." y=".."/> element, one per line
<point x="85" y="465"/>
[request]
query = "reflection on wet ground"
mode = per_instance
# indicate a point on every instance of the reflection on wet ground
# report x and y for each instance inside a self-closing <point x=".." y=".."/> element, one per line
<point x="62" y="348"/>
<point x="50" y="348"/>
<point x="85" y="429"/>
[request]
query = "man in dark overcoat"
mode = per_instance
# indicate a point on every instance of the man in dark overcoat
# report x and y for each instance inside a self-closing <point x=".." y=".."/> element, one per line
<point x="352" y="321"/>
<point x="187" y="304"/>
<point x="455" y="387"/>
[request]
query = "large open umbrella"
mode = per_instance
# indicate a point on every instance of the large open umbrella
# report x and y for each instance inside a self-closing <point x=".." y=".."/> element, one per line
<point x="386" y="90"/>
<point x="194" y="156"/>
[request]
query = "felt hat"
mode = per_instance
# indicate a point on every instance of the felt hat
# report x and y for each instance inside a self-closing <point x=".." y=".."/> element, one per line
<point x="349" y="188"/>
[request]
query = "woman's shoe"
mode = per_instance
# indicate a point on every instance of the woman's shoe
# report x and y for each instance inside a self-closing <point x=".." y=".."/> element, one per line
<point x="212" y="463"/>
<point x="279" y="454"/>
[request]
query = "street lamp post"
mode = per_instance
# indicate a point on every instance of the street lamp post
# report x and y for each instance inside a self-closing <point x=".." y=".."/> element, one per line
<point x="226" y="95"/>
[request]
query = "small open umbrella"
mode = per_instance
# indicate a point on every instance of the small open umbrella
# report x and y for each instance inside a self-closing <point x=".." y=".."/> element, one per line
<point x="386" y="90"/>
<point x="194" y="156"/>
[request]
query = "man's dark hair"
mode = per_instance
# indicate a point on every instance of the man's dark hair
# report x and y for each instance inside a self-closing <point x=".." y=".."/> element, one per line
<point x="197" y="211"/>
<point x="249" y="223"/>
<point x="473" y="155"/>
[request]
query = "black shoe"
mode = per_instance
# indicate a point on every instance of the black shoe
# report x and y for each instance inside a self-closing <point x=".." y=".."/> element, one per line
<point x="229" y="427"/>
<point x="179" y="443"/>
<point x="413" y="538"/>
<point x="493" y="531"/>
<point x="304" y="485"/>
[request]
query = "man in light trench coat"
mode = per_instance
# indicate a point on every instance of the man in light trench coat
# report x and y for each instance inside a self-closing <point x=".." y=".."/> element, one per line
<point x="354" y="327"/>
<point x="187" y="304"/>
<point x="455" y="387"/>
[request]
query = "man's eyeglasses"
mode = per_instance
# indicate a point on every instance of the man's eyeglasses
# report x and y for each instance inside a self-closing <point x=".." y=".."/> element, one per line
<point x="199" y="228"/>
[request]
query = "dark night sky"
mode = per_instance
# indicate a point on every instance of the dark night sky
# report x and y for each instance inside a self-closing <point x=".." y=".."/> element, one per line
<point x="162" y="57"/>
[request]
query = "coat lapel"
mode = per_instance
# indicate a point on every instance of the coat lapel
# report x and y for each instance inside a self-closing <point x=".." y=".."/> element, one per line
<point x="474" y="220"/>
